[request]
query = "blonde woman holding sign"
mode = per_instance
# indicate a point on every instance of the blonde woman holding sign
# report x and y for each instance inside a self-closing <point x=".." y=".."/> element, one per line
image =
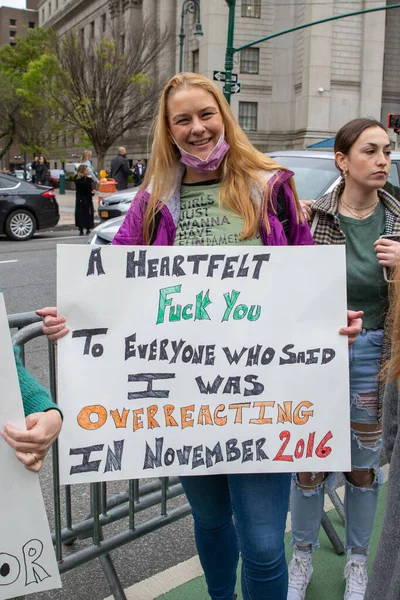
<point x="202" y="166"/>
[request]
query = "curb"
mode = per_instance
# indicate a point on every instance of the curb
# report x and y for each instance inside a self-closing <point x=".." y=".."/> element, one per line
<point x="68" y="226"/>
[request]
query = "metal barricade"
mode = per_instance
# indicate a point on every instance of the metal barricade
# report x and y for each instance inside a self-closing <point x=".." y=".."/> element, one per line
<point x="105" y="509"/>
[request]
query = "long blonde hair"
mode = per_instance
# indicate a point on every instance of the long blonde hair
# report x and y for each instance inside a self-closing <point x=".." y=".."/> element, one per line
<point x="391" y="370"/>
<point x="86" y="155"/>
<point x="240" y="168"/>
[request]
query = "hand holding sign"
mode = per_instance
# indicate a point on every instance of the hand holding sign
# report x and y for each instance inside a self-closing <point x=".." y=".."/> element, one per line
<point x="31" y="445"/>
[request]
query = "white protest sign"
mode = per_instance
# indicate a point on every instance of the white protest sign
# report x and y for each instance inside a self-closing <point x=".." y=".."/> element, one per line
<point x="27" y="560"/>
<point x="201" y="361"/>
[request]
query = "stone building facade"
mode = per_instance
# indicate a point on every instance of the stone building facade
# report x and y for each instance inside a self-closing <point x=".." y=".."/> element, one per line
<point x="296" y="89"/>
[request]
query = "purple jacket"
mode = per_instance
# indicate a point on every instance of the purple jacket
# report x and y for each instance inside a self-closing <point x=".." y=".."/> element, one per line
<point x="131" y="231"/>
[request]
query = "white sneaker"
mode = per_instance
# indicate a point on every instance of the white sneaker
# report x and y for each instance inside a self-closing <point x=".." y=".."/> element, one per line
<point x="300" y="573"/>
<point x="355" y="574"/>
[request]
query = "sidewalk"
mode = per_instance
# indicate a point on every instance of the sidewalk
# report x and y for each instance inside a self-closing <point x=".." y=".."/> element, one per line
<point x="186" y="581"/>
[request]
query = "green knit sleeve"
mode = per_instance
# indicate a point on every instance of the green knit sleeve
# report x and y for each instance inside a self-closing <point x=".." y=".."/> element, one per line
<point x="35" y="397"/>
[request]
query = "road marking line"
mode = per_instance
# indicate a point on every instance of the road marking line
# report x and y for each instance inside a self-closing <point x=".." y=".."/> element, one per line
<point x="161" y="583"/>
<point x="55" y="238"/>
<point x="3" y="262"/>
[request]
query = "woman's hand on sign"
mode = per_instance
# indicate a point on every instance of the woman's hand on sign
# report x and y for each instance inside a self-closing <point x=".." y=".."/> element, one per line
<point x="53" y="326"/>
<point x="354" y="325"/>
<point x="387" y="252"/>
<point x="306" y="208"/>
<point x="31" y="445"/>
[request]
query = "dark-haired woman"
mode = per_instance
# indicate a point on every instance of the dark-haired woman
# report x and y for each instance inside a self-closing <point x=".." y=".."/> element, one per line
<point x="42" y="171"/>
<point x="356" y="213"/>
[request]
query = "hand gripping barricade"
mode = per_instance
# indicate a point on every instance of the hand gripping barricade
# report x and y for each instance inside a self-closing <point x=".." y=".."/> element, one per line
<point x="106" y="511"/>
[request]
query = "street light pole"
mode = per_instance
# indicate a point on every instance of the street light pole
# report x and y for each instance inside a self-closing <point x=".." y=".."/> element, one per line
<point x="230" y="50"/>
<point x="188" y="6"/>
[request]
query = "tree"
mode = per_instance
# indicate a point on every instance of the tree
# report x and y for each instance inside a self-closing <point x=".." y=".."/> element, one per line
<point x="23" y="118"/>
<point x="106" y="89"/>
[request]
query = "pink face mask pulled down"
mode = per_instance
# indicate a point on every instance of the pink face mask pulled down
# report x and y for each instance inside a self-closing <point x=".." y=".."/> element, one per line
<point x="209" y="164"/>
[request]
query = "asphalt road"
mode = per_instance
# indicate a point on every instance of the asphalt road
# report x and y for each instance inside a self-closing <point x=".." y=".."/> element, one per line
<point x="28" y="281"/>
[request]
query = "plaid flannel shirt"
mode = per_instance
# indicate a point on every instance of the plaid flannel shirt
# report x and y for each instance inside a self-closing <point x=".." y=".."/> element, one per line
<point x="327" y="231"/>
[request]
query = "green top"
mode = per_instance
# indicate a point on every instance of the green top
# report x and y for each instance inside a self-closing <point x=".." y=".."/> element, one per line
<point x="202" y="222"/>
<point x="366" y="287"/>
<point x="35" y="398"/>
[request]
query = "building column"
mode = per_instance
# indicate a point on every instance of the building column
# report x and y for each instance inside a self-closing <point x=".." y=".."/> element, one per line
<point x="132" y="12"/>
<point x="167" y="20"/>
<point x="314" y="119"/>
<point x="115" y="8"/>
<point x="372" y="61"/>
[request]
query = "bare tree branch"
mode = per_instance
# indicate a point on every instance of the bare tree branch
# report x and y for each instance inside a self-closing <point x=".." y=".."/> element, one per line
<point x="107" y="90"/>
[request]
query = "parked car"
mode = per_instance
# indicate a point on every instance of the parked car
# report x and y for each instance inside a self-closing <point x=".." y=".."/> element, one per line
<point x="316" y="172"/>
<point x="117" y="204"/>
<point x="315" y="175"/>
<point x="54" y="177"/>
<point x="19" y="174"/>
<point x="71" y="167"/>
<point x="25" y="208"/>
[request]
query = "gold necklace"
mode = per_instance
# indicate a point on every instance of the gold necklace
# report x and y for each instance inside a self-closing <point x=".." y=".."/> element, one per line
<point x="363" y="216"/>
<point x="359" y="209"/>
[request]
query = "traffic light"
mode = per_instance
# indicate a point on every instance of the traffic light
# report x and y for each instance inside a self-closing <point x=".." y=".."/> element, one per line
<point x="393" y="121"/>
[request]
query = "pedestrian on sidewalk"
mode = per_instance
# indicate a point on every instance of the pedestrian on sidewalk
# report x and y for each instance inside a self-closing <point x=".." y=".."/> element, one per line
<point x="200" y="151"/>
<point x="385" y="577"/>
<point x="42" y="172"/>
<point x="34" y="166"/>
<point x="86" y="160"/>
<point x="356" y="213"/>
<point x="120" y="169"/>
<point x="139" y="171"/>
<point x="84" y="213"/>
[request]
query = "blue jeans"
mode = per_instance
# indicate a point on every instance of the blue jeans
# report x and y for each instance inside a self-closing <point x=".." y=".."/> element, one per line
<point x="360" y="502"/>
<point x="245" y="513"/>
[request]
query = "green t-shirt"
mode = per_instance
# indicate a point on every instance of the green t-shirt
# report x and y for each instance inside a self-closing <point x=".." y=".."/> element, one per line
<point x="366" y="287"/>
<point x="203" y="223"/>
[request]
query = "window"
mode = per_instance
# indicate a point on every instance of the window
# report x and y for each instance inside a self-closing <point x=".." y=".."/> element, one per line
<point x="42" y="15"/>
<point x="56" y="9"/>
<point x="31" y="25"/>
<point x="13" y="43"/>
<point x="251" y="9"/>
<point x="103" y="22"/>
<point x="248" y="115"/>
<point x="13" y="22"/>
<point x="49" y="8"/>
<point x="195" y="61"/>
<point x="249" y="60"/>
<point x="82" y="36"/>
<point x="92" y="29"/>
<point x="13" y="33"/>
<point x="122" y="44"/>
